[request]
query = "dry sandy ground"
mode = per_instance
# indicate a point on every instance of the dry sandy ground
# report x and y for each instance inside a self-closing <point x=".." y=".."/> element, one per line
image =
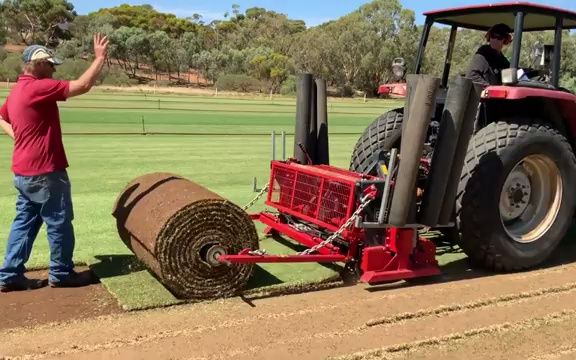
<point x="528" y="315"/>
<point x="31" y="308"/>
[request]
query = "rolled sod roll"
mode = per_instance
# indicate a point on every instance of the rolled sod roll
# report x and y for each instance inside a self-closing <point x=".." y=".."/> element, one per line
<point x="178" y="228"/>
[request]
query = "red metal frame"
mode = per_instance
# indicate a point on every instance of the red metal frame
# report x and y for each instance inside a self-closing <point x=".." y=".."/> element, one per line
<point x="398" y="260"/>
<point x="342" y="180"/>
<point x="244" y="257"/>
<point x="401" y="254"/>
<point x="307" y="240"/>
<point x="329" y="253"/>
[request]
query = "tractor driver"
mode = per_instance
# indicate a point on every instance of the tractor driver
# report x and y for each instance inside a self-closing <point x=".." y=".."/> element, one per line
<point x="488" y="61"/>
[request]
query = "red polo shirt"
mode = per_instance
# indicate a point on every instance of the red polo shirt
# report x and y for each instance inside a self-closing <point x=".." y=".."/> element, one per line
<point x="32" y="112"/>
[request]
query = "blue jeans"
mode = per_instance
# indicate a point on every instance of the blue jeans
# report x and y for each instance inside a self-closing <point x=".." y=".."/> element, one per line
<point x="41" y="199"/>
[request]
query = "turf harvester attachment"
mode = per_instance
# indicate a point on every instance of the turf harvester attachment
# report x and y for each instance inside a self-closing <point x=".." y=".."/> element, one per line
<point x="202" y="246"/>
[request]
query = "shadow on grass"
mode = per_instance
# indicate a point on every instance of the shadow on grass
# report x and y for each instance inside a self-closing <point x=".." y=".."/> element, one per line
<point x="261" y="278"/>
<point x="110" y="266"/>
<point x="116" y="265"/>
<point x="298" y="248"/>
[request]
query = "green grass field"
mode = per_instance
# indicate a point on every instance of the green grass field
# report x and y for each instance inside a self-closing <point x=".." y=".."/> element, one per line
<point x="223" y="144"/>
<point x="235" y="147"/>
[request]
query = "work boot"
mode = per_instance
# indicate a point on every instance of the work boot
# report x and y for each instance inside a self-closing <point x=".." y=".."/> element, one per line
<point x="74" y="280"/>
<point x="23" y="284"/>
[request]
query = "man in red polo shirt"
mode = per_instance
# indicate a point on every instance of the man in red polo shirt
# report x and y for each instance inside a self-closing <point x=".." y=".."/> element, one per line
<point x="30" y="115"/>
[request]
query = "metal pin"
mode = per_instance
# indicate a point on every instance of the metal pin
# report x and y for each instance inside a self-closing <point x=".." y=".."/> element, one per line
<point x="283" y="145"/>
<point x="273" y="145"/>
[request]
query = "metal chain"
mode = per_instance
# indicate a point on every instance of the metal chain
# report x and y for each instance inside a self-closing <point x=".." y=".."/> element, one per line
<point x="363" y="203"/>
<point x="253" y="201"/>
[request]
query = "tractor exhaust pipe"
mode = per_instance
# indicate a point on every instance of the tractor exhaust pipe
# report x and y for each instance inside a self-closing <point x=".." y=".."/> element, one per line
<point x="311" y="135"/>
<point x="322" y="148"/>
<point x="453" y="116"/>
<point x="312" y="140"/>
<point x="303" y="106"/>
<point x="420" y="110"/>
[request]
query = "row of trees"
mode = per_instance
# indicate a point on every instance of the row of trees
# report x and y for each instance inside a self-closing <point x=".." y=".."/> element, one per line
<point x="255" y="48"/>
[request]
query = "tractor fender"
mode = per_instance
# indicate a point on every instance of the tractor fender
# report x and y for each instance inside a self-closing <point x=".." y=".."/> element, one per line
<point x="559" y="113"/>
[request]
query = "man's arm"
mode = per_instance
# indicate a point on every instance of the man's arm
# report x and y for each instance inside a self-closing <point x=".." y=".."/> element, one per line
<point x="7" y="128"/>
<point x="85" y="82"/>
<point x="477" y="69"/>
<point x="5" y="120"/>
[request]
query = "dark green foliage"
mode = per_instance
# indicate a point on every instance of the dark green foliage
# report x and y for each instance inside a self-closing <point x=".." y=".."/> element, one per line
<point x="117" y="77"/>
<point x="353" y="53"/>
<point x="10" y="68"/>
<point x="147" y="18"/>
<point x="238" y="82"/>
<point x="71" y="69"/>
<point x="33" y="21"/>
<point x="289" y="86"/>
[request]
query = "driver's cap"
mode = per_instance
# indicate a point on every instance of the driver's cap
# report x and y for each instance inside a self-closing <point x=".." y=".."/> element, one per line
<point x="501" y="29"/>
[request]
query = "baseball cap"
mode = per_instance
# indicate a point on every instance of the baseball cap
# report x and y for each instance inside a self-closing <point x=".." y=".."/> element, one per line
<point x="501" y="29"/>
<point x="39" y="52"/>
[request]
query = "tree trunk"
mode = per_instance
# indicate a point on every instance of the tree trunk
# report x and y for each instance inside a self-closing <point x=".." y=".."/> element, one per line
<point x="129" y="67"/>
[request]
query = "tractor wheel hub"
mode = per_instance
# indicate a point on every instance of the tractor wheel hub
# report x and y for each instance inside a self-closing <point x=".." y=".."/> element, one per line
<point x="515" y="195"/>
<point x="531" y="198"/>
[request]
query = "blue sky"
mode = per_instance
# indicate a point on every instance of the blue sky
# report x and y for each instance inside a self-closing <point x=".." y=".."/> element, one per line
<point x="313" y="12"/>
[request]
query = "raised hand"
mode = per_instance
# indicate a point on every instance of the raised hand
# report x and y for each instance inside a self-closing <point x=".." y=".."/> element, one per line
<point x="100" y="45"/>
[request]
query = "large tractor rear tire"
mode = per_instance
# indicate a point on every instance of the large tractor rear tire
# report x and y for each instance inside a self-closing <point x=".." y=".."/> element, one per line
<point x="381" y="135"/>
<point x="515" y="199"/>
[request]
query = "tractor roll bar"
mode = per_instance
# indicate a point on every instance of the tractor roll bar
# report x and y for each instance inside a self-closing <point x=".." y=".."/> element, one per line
<point x="557" y="55"/>
<point x="448" y="61"/>
<point x="422" y="46"/>
<point x="518" y="27"/>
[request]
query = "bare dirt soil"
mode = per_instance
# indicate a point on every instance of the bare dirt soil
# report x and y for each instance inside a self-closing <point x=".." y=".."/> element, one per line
<point x="528" y="315"/>
<point x="45" y="305"/>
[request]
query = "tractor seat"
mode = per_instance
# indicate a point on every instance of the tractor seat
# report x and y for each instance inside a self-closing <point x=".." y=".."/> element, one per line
<point x="535" y="84"/>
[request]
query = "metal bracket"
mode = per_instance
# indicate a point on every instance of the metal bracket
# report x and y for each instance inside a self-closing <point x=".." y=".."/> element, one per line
<point x="255" y="185"/>
<point x="273" y="137"/>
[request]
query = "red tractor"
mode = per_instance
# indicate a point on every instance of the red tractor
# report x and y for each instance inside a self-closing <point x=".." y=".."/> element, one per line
<point x="514" y="200"/>
<point x="395" y="87"/>
<point x="493" y="165"/>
